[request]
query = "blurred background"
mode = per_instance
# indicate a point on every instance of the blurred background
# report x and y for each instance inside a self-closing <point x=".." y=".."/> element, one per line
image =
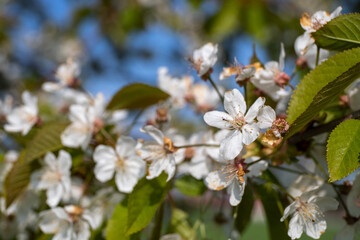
<point x="124" y="41"/>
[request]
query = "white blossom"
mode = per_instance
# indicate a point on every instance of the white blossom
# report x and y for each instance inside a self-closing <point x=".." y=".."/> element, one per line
<point x="307" y="214"/>
<point x="272" y="78"/>
<point x="177" y="88"/>
<point x="205" y="58"/>
<point x="200" y="163"/>
<point x="244" y="130"/>
<point x="69" y="223"/>
<point x="159" y="153"/>
<point x="123" y="161"/>
<point x="23" y="118"/>
<point x="233" y="176"/>
<point x="305" y="44"/>
<point x="54" y="177"/>
<point x="66" y="74"/>
<point x="205" y="97"/>
<point x="85" y="120"/>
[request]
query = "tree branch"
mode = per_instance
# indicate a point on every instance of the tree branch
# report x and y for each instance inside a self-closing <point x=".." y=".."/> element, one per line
<point x="313" y="131"/>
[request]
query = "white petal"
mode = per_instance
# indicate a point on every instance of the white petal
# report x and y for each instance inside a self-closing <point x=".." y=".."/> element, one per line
<point x="64" y="159"/>
<point x="105" y="159"/>
<point x="289" y="210"/>
<point x="234" y="102"/>
<point x="250" y="133"/>
<point x="217" y="181"/>
<point x="336" y="12"/>
<point x="83" y="230"/>
<point x="315" y="229"/>
<point x="256" y="169"/>
<point x="155" y="133"/>
<point x="326" y="203"/>
<point x="125" y="146"/>
<point x="266" y="117"/>
<point x="76" y="135"/>
<point x="218" y="119"/>
<point x="54" y="195"/>
<point x="295" y="227"/>
<point x="166" y="164"/>
<point x="52" y="87"/>
<point x="236" y="190"/>
<point x="232" y="145"/>
<point x="254" y="109"/>
<point x="50" y="160"/>
<point x="282" y="58"/>
<point x="125" y="182"/>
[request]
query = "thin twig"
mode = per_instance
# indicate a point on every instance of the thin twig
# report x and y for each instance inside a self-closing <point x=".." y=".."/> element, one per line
<point x="197" y="145"/>
<point x="216" y="89"/>
<point x="313" y="131"/>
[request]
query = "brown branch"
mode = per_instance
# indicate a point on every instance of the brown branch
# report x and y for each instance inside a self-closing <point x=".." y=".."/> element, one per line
<point x="313" y="131"/>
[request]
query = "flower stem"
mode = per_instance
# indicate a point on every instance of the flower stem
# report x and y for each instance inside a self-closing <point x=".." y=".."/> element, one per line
<point x="284" y="190"/>
<point x="134" y="121"/>
<point x="318" y="165"/>
<point x="341" y="201"/>
<point x="156" y="233"/>
<point x="317" y="56"/>
<point x="198" y="145"/>
<point x="108" y="136"/>
<point x="287" y="169"/>
<point x="216" y="89"/>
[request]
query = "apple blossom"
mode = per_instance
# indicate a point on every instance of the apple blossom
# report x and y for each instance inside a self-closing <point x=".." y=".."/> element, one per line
<point x="123" y="161"/>
<point x="205" y="58"/>
<point x="86" y="119"/>
<point x="244" y="130"/>
<point x="68" y="223"/>
<point x="66" y="74"/>
<point x="271" y="79"/>
<point x="159" y="153"/>
<point x="305" y="44"/>
<point x="54" y="177"/>
<point x="23" y="118"/>
<point x="307" y="214"/>
<point x="175" y="87"/>
<point x="233" y="176"/>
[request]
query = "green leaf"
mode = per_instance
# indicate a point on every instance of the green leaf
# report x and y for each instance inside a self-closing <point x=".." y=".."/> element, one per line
<point x="116" y="227"/>
<point x="47" y="139"/>
<point x="144" y="200"/>
<point x="136" y="96"/>
<point x="274" y="210"/>
<point x="343" y="149"/>
<point x="244" y="210"/>
<point x="340" y="33"/>
<point x="321" y="86"/>
<point x="17" y="180"/>
<point x="179" y="224"/>
<point x="189" y="186"/>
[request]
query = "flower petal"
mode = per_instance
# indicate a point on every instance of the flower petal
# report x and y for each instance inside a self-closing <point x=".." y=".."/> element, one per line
<point x="254" y="109"/>
<point x="234" y="102"/>
<point x="217" y="181"/>
<point x="295" y="226"/>
<point x="236" y="190"/>
<point x="218" y="119"/>
<point x="232" y="145"/>
<point x="250" y="133"/>
<point x="266" y="117"/>
<point x="154" y="133"/>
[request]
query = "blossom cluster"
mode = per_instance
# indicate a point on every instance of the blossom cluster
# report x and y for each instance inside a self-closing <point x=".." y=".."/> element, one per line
<point x="71" y="193"/>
